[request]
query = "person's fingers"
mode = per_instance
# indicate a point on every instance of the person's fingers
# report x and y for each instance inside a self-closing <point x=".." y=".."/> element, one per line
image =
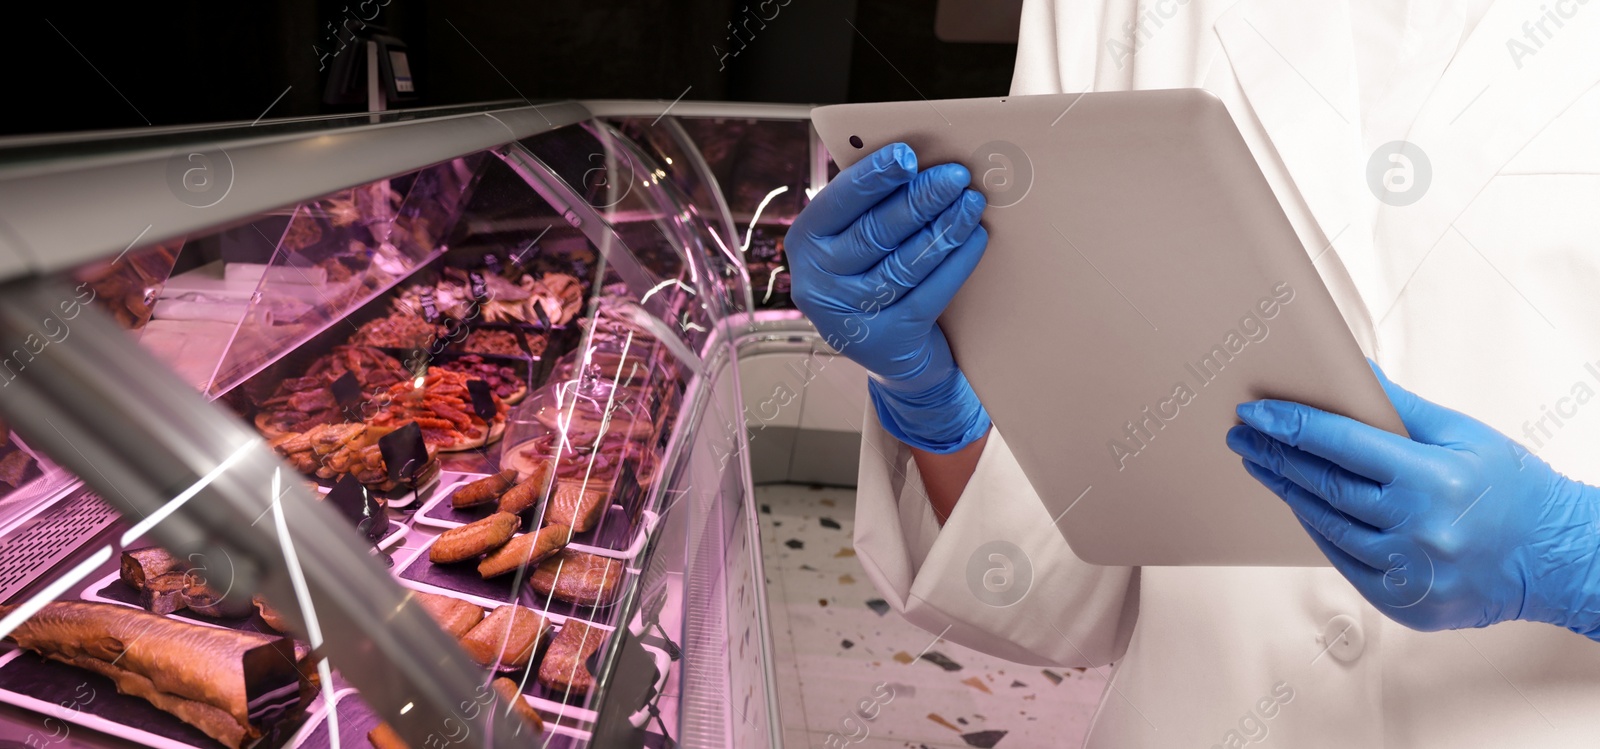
<point x="1360" y="541"/>
<point x="856" y="190"/>
<point x="934" y="293"/>
<point x="1428" y="422"/>
<point x="921" y="253"/>
<point x="897" y="218"/>
<point x="1346" y="492"/>
<point x="1367" y="581"/>
<point x="1367" y="451"/>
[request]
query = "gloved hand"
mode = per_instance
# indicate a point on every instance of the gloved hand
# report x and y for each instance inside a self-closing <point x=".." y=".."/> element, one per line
<point x="1457" y="527"/>
<point x="873" y="261"/>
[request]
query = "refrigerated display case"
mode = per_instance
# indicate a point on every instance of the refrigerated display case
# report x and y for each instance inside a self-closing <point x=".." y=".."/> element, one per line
<point x="316" y="425"/>
<point x="757" y="165"/>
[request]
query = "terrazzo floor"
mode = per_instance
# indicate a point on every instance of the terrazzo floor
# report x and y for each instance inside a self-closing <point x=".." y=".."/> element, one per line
<point x="852" y="673"/>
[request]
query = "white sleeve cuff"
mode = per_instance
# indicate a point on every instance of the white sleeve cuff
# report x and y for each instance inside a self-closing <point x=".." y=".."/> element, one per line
<point x="998" y="578"/>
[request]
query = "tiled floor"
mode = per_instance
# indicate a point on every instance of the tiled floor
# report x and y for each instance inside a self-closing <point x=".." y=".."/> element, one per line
<point x="842" y="656"/>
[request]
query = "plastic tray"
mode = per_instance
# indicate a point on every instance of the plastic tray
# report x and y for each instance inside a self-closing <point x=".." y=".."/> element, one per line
<point x="611" y="537"/>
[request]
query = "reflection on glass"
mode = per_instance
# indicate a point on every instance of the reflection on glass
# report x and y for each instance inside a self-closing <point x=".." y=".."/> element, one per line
<point x="762" y="166"/>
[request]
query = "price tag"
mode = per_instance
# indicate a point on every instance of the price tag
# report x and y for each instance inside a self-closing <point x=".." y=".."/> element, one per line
<point x="538" y="311"/>
<point x="480" y="287"/>
<point x="491" y="263"/>
<point x="482" y="400"/>
<point x="404" y="453"/>
<point x="347" y="393"/>
<point x="358" y="506"/>
<point x="430" y="307"/>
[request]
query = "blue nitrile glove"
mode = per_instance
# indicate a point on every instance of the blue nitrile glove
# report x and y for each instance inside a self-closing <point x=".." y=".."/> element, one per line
<point x="874" y="259"/>
<point x="1457" y="527"/>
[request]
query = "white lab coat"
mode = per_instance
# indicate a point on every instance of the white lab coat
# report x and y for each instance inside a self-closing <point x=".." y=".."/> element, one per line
<point x="1484" y="296"/>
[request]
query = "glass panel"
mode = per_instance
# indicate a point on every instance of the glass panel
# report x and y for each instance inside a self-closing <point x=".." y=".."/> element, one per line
<point x="333" y="255"/>
<point x="763" y="167"/>
<point x="686" y="176"/>
<point x="626" y="192"/>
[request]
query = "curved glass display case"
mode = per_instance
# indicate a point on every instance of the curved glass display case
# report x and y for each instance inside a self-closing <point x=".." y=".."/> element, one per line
<point x="397" y="427"/>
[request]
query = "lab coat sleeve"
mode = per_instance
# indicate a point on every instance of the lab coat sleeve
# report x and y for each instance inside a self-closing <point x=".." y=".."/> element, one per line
<point x="1072" y="613"/>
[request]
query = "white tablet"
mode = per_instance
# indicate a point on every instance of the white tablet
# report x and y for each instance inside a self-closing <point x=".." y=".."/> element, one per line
<point x="1141" y="281"/>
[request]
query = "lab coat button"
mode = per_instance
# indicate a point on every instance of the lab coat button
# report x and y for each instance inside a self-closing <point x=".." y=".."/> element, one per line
<point x="1342" y="638"/>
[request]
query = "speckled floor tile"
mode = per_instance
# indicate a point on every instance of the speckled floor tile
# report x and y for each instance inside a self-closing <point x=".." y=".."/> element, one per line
<point x="852" y="657"/>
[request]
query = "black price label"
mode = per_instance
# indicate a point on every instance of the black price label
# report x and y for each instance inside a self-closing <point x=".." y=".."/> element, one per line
<point x="430" y="307"/>
<point x="538" y="311"/>
<point x="491" y="263"/>
<point x="404" y="453"/>
<point x="482" y="400"/>
<point x="347" y="393"/>
<point x="359" y="507"/>
<point x="480" y="287"/>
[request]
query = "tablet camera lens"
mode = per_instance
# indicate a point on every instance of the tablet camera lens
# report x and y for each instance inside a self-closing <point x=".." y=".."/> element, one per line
<point x="855" y="140"/>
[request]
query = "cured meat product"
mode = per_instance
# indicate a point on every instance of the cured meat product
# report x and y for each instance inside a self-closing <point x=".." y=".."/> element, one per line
<point x="525" y="550"/>
<point x="300" y="403"/>
<point x="270" y="615"/>
<point x="454" y="615"/>
<point x="329" y="451"/>
<point x="227" y="683"/>
<point x="494" y="342"/>
<point x="507" y="690"/>
<point x="508" y="636"/>
<point x="577" y="577"/>
<point x="140" y="565"/>
<point x="403" y="328"/>
<point x="472" y="539"/>
<point x="503" y="380"/>
<point x="441" y="405"/>
<point x="565" y="666"/>
<point x="576" y="503"/>
<point x="484" y="490"/>
<point x="527" y="493"/>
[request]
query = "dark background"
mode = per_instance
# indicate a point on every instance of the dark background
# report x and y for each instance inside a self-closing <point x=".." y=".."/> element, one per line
<point x="99" y="67"/>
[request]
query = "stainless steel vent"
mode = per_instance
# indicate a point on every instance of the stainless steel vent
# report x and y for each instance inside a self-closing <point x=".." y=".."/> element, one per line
<point x="48" y="538"/>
